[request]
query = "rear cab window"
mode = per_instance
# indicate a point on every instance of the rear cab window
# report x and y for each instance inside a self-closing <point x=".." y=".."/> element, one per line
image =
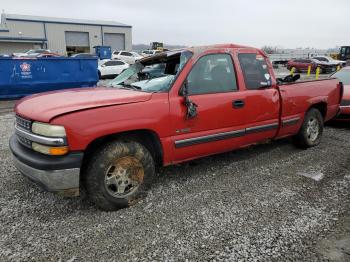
<point x="255" y="70"/>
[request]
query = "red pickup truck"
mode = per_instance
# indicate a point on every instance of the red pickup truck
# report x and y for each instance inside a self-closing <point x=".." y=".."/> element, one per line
<point x="206" y="100"/>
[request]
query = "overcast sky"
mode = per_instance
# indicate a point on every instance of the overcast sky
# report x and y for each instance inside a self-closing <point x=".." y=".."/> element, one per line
<point x="285" y="23"/>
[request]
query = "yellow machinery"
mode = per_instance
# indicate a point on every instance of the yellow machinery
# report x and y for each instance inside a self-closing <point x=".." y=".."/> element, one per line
<point x="344" y="53"/>
<point x="157" y="46"/>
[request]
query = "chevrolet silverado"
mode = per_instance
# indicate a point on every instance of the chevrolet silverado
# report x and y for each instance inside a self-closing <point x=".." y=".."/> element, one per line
<point x="212" y="99"/>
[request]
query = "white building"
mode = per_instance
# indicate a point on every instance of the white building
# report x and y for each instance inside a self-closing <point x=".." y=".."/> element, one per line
<point x="20" y="33"/>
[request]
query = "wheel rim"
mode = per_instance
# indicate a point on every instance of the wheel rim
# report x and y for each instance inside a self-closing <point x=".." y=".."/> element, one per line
<point x="313" y="129"/>
<point x="124" y="176"/>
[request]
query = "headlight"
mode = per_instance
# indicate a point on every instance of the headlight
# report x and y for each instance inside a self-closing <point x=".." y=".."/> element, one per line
<point x="48" y="130"/>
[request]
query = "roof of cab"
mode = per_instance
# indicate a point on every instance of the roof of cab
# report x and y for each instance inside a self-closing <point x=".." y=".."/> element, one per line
<point x="221" y="46"/>
<point x="201" y="49"/>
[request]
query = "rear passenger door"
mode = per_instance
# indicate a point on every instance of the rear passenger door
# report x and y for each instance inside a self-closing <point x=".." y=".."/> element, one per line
<point x="261" y="97"/>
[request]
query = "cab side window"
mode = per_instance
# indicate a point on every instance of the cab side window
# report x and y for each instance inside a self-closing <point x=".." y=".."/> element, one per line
<point x="255" y="71"/>
<point x="212" y="74"/>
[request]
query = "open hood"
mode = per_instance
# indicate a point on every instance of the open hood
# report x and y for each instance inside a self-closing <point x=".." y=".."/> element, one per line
<point x="45" y="106"/>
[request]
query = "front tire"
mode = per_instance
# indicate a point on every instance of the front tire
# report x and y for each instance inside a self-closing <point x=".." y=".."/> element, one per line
<point x="119" y="174"/>
<point x="311" y="131"/>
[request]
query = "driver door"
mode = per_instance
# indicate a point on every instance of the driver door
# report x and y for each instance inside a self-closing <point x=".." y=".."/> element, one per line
<point x="219" y="123"/>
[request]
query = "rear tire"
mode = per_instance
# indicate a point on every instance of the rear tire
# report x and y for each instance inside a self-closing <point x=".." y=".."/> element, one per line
<point x="310" y="133"/>
<point x="119" y="174"/>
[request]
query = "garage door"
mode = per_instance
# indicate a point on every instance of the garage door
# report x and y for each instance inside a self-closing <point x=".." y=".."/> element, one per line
<point x="77" y="39"/>
<point x="115" y="41"/>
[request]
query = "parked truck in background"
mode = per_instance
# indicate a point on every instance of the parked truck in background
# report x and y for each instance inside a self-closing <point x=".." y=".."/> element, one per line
<point x="208" y="100"/>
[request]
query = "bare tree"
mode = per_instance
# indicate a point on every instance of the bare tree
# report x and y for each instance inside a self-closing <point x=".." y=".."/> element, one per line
<point x="269" y="49"/>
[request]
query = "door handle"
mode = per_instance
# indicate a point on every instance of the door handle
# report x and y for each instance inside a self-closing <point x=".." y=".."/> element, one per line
<point x="238" y="104"/>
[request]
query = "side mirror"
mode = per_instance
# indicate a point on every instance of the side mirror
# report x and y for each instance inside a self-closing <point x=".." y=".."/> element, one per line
<point x="191" y="106"/>
<point x="183" y="90"/>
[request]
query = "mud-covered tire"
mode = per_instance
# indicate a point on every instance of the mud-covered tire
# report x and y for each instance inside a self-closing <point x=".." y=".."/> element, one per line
<point x="97" y="174"/>
<point x="311" y="131"/>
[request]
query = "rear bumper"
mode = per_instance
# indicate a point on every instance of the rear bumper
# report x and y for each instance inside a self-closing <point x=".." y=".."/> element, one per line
<point x="54" y="174"/>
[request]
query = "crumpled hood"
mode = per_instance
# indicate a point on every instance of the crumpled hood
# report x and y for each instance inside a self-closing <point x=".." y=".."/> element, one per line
<point x="45" y="106"/>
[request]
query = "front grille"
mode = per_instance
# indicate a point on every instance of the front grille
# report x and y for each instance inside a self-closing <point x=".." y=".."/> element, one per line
<point x="24" y="141"/>
<point x="345" y="103"/>
<point x="26" y="125"/>
<point x="23" y="123"/>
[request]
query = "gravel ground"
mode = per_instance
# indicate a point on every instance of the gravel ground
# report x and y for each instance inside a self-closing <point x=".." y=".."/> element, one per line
<point x="249" y="205"/>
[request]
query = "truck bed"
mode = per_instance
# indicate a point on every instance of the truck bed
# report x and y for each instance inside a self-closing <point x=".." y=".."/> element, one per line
<point x="298" y="97"/>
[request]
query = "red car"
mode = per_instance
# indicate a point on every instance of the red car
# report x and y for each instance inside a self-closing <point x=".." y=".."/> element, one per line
<point x="207" y="100"/>
<point x="302" y="65"/>
<point x="344" y="76"/>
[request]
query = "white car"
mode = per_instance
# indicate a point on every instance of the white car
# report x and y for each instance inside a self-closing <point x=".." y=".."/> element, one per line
<point x="147" y="53"/>
<point x="110" y="68"/>
<point x="329" y="60"/>
<point x="129" y="57"/>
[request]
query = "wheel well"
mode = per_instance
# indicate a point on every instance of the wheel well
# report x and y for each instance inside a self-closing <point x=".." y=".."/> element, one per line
<point x="322" y="107"/>
<point x="147" y="138"/>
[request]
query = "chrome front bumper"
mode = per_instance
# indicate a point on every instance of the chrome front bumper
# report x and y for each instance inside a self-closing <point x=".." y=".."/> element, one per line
<point x="59" y="174"/>
<point x="64" y="182"/>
